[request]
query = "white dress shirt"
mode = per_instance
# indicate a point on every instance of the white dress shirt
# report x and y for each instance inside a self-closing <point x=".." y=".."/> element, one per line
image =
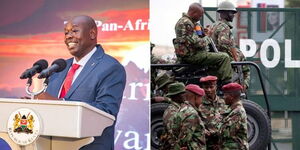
<point x="82" y="63"/>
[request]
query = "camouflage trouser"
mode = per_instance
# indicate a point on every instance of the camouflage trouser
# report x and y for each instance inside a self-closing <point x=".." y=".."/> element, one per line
<point x="219" y="60"/>
<point x="245" y="68"/>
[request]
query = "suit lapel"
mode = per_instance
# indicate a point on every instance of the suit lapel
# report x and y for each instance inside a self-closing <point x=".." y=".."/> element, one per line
<point x="61" y="77"/>
<point x="89" y="66"/>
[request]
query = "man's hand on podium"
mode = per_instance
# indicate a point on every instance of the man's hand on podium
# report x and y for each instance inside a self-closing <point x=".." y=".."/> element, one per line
<point x="43" y="95"/>
<point x="46" y="96"/>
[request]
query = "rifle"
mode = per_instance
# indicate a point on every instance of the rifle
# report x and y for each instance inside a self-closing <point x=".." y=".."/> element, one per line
<point x="239" y="67"/>
<point x="201" y="34"/>
<point x="240" y="72"/>
<point x="240" y="76"/>
<point x="212" y="45"/>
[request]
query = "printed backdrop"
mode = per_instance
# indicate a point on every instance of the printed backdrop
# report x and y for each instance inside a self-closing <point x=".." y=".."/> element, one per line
<point x="33" y="29"/>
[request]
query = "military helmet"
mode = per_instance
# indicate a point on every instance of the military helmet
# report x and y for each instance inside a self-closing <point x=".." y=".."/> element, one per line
<point x="227" y="6"/>
<point x="163" y="79"/>
<point x="175" y="88"/>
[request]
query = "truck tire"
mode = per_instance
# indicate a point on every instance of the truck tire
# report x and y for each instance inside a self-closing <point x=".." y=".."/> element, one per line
<point x="157" y="111"/>
<point x="259" y="126"/>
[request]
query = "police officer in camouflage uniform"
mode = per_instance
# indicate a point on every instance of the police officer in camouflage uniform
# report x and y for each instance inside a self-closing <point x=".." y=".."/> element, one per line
<point x="161" y="83"/>
<point x="192" y="130"/>
<point x="233" y="127"/>
<point x="211" y="110"/>
<point x="221" y="34"/>
<point x="192" y="49"/>
<point x="176" y="94"/>
<point x="183" y="126"/>
<point x="154" y="72"/>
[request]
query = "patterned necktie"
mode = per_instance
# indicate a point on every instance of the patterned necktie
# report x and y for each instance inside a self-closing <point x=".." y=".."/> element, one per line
<point x="68" y="80"/>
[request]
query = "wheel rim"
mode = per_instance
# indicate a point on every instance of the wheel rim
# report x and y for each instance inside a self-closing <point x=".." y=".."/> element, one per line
<point x="156" y="130"/>
<point x="253" y="129"/>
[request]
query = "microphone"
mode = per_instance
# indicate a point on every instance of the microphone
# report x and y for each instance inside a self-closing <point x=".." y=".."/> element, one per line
<point x="57" y="66"/>
<point x="37" y="67"/>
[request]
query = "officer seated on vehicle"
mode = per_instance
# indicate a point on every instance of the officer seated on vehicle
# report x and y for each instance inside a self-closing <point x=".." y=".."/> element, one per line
<point x="222" y="35"/>
<point x="191" y="48"/>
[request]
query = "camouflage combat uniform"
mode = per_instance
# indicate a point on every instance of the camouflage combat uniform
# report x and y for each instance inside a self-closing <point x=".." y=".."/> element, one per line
<point x="154" y="72"/>
<point x="167" y="137"/>
<point x="211" y="114"/>
<point x="233" y="128"/>
<point x="192" y="49"/>
<point x="224" y="40"/>
<point x="158" y="83"/>
<point x="186" y="129"/>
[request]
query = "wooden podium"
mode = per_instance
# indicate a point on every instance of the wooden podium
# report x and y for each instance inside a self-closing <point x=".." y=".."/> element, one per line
<point x="63" y="124"/>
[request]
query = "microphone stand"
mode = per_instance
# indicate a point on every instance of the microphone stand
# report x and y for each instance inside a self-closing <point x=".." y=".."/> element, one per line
<point x="32" y="94"/>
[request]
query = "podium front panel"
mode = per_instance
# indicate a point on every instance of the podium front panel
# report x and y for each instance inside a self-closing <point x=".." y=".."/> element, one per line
<point x="60" y="118"/>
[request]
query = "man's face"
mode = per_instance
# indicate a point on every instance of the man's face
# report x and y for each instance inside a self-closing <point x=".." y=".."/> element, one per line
<point x="182" y="97"/>
<point x="77" y="37"/>
<point x="194" y="99"/>
<point x="198" y="101"/>
<point x="228" y="98"/>
<point x="197" y="15"/>
<point x="229" y="15"/>
<point x="165" y="88"/>
<point x="210" y="90"/>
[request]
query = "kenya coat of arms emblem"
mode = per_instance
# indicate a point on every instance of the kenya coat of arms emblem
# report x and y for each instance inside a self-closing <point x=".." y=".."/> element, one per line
<point x="23" y="126"/>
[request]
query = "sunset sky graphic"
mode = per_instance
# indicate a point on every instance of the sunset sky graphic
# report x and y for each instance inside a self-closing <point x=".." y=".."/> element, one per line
<point x="18" y="51"/>
<point x="34" y="29"/>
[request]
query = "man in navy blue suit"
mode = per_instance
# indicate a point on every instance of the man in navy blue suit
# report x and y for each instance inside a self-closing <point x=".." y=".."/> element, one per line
<point x="91" y="76"/>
